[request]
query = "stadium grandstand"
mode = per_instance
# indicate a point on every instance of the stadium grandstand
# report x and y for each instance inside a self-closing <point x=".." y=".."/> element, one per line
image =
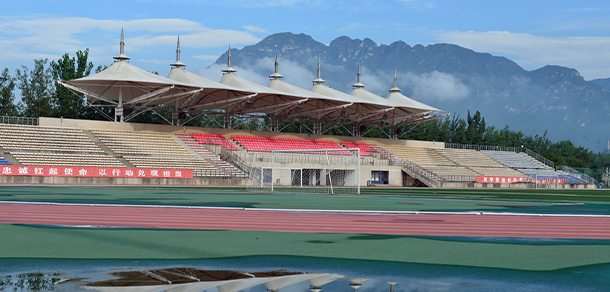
<point x="68" y="151"/>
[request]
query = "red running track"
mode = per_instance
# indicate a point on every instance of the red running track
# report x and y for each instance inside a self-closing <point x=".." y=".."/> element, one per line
<point x="486" y="225"/>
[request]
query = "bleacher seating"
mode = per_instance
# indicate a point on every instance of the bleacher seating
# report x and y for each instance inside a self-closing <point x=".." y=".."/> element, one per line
<point x="196" y="146"/>
<point x="515" y="160"/>
<point x="419" y="155"/>
<point x="140" y="143"/>
<point x="169" y="162"/>
<point x="551" y="174"/>
<point x="3" y="161"/>
<point x="365" y="149"/>
<point x="267" y="144"/>
<point x="571" y="179"/>
<point x="445" y="171"/>
<point x="61" y="146"/>
<point x="152" y="150"/>
<point x="453" y="163"/>
<point x="215" y="139"/>
<point x="64" y="159"/>
<point x="497" y="171"/>
<point x="467" y="157"/>
<point x="46" y="139"/>
<point x="205" y="152"/>
<point x="529" y="166"/>
<point x="230" y="168"/>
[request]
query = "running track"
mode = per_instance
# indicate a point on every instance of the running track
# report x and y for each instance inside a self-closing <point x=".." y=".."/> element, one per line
<point x="485" y="225"/>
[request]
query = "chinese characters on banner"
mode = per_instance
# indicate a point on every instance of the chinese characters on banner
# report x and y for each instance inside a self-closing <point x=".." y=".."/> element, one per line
<point x="510" y="180"/>
<point x="72" y="171"/>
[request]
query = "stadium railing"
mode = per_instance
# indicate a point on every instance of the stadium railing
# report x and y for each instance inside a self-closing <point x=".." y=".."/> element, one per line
<point x="580" y="175"/>
<point x="18" y="120"/>
<point x="502" y="148"/>
<point x="419" y="172"/>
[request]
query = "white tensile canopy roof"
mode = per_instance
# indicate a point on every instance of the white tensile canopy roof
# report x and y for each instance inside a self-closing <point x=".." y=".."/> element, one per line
<point x="398" y="98"/>
<point x="399" y="112"/>
<point x="316" y="105"/>
<point x="214" y="95"/>
<point x="425" y="112"/>
<point x="360" y="110"/>
<point x="266" y="100"/>
<point x="123" y="83"/>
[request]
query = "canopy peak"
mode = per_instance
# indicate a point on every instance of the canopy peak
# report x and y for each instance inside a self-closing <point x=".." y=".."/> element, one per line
<point x="276" y="75"/>
<point x="358" y="84"/>
<point x="395" y="88"/>
<point x="121" y="56"/>
<point x="229" y="69"/>
<point x="178" y="63"/>
<point x="319" y="80"/>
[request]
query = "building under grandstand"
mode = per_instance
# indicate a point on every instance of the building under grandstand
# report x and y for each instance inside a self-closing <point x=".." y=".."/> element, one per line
<point x="67" y="151"/>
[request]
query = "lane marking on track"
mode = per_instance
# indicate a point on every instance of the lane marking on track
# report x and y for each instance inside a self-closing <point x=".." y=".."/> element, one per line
<point x="327" y="211"/>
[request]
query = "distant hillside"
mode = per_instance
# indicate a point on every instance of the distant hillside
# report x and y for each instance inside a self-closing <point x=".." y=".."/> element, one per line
<point x="448" y="77"/>
<point x="605" y="83"/>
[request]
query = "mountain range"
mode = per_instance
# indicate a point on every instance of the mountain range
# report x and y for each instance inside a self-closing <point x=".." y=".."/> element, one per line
<point x="449" y="77"/>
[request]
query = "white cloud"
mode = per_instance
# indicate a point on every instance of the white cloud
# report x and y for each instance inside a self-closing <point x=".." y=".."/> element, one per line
<point x="588" y="55"/>
<point x="260" y="69"/>
<point x="436" y="86"/>
<point x="207" y="38"/>
<point x="378" y="83"/>
<point x="254" y="28"/>
<point x="36" y="36"/>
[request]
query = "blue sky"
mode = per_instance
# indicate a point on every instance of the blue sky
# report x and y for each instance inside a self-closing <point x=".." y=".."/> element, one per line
<point x="574" y="34"/>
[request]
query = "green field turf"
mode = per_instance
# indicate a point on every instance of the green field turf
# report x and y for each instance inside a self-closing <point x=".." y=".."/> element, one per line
<point x="139" y="244"/>
<point x="38" y="242"/>
<point x="374" y="199"/>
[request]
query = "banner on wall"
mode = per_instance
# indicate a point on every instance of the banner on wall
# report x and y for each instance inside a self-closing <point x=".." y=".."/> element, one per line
<point x="510" y="180"/>
<point x="72" y="171"/>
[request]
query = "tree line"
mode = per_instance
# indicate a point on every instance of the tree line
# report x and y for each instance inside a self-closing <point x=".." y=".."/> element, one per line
<point x="42" y="96"/>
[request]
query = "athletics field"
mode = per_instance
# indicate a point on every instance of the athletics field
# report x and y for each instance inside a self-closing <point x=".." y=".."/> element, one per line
<point x="28" y="247"/>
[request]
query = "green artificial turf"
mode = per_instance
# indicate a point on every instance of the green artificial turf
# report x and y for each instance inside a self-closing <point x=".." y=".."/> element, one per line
<point x="19" y="241"/>
<point x="86" y="243"/>
<point x="377" y="200"/>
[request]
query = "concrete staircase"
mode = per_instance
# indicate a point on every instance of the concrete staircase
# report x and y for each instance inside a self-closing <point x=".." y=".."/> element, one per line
<point x="189" y="142"/>
<point x="107" y="149"/>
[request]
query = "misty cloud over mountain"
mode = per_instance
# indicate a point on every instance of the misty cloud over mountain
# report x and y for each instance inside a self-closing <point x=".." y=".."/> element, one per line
<point x="445" y="76"/>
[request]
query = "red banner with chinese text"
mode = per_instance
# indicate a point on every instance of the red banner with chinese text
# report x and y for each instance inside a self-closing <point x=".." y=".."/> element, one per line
<point x="73" y="171"/>
<point x="510" y="180"/>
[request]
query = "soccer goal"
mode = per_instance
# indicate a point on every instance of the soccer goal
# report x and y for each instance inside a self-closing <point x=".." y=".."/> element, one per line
<point x="319" y="171"/>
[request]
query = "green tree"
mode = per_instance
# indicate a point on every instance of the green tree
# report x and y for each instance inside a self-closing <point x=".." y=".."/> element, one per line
<point x="70" y="104"/>
<point x="7" y="97"/>
<point x="476" y="128"/>
<point x="37" y="99"/>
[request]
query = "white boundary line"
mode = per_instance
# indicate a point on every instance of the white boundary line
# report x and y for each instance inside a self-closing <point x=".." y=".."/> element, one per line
<point x="362" y="212"/>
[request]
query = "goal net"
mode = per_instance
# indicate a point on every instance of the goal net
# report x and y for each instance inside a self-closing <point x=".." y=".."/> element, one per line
<point x="319" y="171"/>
